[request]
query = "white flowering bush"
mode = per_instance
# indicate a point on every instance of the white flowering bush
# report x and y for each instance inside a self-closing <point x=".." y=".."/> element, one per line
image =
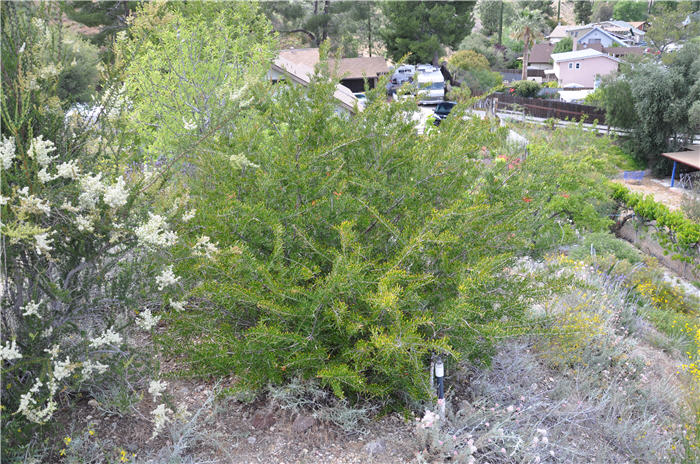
<point x="84" y="260"/>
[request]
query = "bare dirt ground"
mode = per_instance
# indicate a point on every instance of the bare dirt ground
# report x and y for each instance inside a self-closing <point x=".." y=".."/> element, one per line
<point x="662" y="194"/>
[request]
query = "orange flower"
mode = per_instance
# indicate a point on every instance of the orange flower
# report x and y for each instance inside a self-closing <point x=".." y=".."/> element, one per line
<point x="527" y="199"/>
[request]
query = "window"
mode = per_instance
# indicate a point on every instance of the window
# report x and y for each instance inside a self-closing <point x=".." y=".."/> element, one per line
<point x="578" y="65"/>
<point x="571" y="66"/>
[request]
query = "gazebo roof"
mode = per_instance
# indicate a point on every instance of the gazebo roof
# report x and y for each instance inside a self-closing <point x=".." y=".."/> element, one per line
<point x="690" y="158"/>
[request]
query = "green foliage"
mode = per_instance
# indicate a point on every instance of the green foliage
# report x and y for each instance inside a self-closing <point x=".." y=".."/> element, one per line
<point x="564" y="45"/>
<point x="683" y="233"/>
<point x="424" y="28"/>
<point x="606" y="243"/>
<point x="348" y="26"/>
<point x="353" y="249"/>
<point x="472" y="69"/>
<point x="183" y="65"/>
<point x="108" y="17"/>
<point x="526" y="88"/>
<point x="528" y="25"/>
<point x="664" y="29"/>
<point x="490" y="13"/>
<point x="499" y="57"/>
<point x="630" y="10"/>
<point x="73" y="267"/>
<point x="662" y="96"/>
<point x="602" y="11"/>
<point x="583" y="9"/>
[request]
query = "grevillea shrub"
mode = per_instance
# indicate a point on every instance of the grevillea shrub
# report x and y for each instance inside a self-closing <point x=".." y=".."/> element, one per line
<point x="85" y="262"/>
<point x="350" y="250"/>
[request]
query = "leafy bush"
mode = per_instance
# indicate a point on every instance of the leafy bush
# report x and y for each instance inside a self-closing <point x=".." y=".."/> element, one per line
<point x="526" y="88"/>
<point x="564" y="45"/>
<point x="351" y="250"/>
<point x="684" y="234"/>
<point x="499" y="56"/>
<point x="472" y="69"/>
<point x="83" y="260"/>
<point x="605" y="243"/>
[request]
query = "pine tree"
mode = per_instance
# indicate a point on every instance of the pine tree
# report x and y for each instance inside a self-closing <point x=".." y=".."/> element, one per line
<point x="424" y="28"/>
<point x="583" y="10"/>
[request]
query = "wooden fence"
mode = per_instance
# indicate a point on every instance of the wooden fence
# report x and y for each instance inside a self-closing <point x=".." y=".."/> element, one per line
<point x="543" y="108"/>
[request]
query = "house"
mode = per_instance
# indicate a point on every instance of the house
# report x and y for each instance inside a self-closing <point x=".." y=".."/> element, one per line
<point x="540" y="56"/>
<point x="351" y="71"/>
<point x="620" y="33"/>
<point x="641" y="25"/>
<point x="583" y="67"/>
<point x="300" y="74"/>
<point x="558" y="33"/>
<point x="598" y="36"/>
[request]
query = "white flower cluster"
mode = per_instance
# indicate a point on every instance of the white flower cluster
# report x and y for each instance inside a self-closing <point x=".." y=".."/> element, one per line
<point x="160" y="418"/>
<point x="188" y="124"/>
<point x="146" y="320"/>
<point x="116" y="194"/>
<point x="204" y="247"/>
<point x="108" y="337"/>
<point x="9" y="351"/>
<point x="7" y="152"/>
<point x="40" y="150"/>
<point x="31" y="203"/>
<point x="178" y="305"/>
<point x="92" y="188"/>
<point x="155" y="232"/>
<point x="89" y="367"/>
<point x="43" y="243"/>
<point x="31" y="309"/>
<point x="44" y="176"/>
<point x="240" y="161"/>
<point x="27" y="403"/>
<point x="62" y="369"/>
<point x="84" y="223"/>
<point x="69" y="170"/>
<point x="189" y="215"/>
<point x="156" y="388"/>
<point x="166" y="278"/>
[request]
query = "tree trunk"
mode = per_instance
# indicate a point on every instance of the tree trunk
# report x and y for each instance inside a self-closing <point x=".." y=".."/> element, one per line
<point x="500" y="25"/>
<point x="369" y="27"/>
<point x="436" y="57"/>
<point x="326" y="5"/>
<point x="526" y="50"/>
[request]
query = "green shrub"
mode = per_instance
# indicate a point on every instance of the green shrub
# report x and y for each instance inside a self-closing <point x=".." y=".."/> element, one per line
<point x="564" y="45"/>
<point x="684" y="234"/>
<point x="606" y="243"/>
<point x="526" y="88"/>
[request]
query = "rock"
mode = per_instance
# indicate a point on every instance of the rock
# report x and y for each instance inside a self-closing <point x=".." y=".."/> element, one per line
<point x="251" y="440"/>
<point x="375" y="447"/>
<point x="263" y="420"/>
<point x="93" y="403"/>
<point x="303" y="423"/>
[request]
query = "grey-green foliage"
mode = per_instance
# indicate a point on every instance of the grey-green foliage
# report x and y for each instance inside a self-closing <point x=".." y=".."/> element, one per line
<point x="349" y="26"/>
<point x="599" y="243"/>
<point x="499" y="57"/>
<point x="662" y="95"/>
<point x="583" y="10"/>
<point x="489" y="14"/>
